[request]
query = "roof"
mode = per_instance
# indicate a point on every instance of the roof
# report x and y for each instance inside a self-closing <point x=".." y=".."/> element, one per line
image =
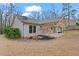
<point x="27" y="20"/>
<point x="37" y="21"/>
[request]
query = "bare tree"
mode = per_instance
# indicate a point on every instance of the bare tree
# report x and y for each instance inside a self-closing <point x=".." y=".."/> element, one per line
<point x="11" y="10"/>
<point x="68" y="11"/>
<point x="73" y="12"/>
<point x="53" y="12"/>
<point x="1" y="22"/>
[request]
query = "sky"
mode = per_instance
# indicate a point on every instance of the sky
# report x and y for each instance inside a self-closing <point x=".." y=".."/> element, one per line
<point x="28" y="8"/>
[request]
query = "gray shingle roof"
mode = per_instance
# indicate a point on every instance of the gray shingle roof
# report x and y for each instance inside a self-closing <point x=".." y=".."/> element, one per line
<point x="34" y="21"/>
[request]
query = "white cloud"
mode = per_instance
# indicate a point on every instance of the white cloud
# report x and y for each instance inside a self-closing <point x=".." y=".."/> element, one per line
<point x="26" y="14"/>
<point x="29" y="9"/>
<point x="33" y="8"/>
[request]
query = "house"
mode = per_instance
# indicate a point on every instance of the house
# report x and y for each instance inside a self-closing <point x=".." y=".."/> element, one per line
<point x="30" y="26"/>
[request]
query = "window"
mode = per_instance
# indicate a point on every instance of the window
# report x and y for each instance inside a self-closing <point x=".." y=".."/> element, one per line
<point x="51" y="28"/>
<point x="32" y="29"/>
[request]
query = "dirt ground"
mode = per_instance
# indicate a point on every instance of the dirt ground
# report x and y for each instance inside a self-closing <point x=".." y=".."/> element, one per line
<point x="67" y="45"/>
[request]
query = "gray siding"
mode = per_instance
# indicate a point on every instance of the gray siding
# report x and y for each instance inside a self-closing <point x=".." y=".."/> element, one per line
<point x="25" y="29"/>
<point x="18" y="24"/>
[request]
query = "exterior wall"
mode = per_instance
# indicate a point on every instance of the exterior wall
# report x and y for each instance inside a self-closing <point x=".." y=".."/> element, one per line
<point x="40" y="29"/>
<point x="47" y="28"/>
<point x="26" y="30"/>
<point x="18" y="24"/>
<point x="63" y="23"/>
<point x="72" y="22"/>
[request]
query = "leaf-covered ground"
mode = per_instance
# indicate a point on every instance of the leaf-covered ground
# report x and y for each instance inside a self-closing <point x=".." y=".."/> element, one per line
<point x="68" y="44"/>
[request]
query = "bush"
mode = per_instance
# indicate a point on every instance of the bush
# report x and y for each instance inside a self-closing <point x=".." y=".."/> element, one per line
<point x="12" y="33"/>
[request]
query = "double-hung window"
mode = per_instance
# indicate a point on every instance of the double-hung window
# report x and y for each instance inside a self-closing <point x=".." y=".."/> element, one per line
<point x="32" y="29"/>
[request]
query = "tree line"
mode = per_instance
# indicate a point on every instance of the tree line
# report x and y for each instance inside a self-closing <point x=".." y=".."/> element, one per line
<point x="8" y="14"/>
<point x="9" y="11"/>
